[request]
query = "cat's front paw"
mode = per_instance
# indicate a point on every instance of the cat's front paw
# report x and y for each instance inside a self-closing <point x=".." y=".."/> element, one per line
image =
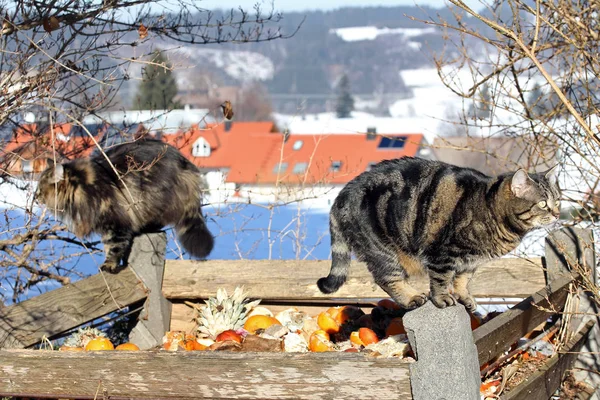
<point x="443" y="300"/>
<point x="467" y="300"/>
<point x="416" y="301"/>
<point x="110" y="266"/>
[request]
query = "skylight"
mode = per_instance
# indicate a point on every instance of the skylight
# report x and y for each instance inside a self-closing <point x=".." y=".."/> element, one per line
<point x="280" y="168"/>
<point x="298" y="144"/>
<point x="300" y="167"/>
<point x="392" y="142"/>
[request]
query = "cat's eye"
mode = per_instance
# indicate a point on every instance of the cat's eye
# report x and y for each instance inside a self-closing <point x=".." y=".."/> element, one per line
<point x="542" y="204"/>
<point x="557" y="203"/>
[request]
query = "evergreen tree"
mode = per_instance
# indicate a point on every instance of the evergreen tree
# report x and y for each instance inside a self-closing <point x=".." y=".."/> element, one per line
<point x="158" y="88"/>
<point x="345" y="102"/>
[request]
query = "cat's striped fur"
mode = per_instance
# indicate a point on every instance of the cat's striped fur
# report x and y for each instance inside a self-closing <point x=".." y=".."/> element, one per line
<point x="411" y="216"/>
<point x="156" y="187"/>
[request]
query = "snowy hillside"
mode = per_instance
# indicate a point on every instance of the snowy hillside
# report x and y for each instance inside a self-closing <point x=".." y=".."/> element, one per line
<point x="357" y="33"/>
<point x="244" y="66"/>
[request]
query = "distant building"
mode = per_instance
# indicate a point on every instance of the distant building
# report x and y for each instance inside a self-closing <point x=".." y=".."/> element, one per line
<point x="253" y="160"/>
<point x="26" y="153"/>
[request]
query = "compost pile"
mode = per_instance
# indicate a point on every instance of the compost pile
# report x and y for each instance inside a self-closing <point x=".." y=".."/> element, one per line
<point x="231" y="322"/>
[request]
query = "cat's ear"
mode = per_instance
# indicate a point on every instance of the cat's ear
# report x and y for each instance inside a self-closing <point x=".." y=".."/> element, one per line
<point x="552" y="175"/>
<point x="521" y="183"/>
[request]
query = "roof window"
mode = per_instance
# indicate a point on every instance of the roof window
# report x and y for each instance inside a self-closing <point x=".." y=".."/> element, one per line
<point x="336" y="166"/>
<point x="280" y="168"/>
<point x="300" y="168"/>
<point x="392" y="142"/>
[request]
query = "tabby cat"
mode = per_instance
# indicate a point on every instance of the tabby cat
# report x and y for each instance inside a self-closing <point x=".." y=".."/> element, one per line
<point x="411" y="216"/>
<point x="156" y="186"/>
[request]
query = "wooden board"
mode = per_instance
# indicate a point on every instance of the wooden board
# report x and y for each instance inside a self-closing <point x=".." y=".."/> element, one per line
<point x="544" y="383"/>
<point x="202" y="375"/>
<point x="51" y="313"/>
<point x="495" y="336"/>
<point x="294" y="280"/>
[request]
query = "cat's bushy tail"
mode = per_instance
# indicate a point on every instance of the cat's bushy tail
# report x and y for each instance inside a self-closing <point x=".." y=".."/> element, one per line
<point x="340" y="259"/>
<point x="194" y="235"/>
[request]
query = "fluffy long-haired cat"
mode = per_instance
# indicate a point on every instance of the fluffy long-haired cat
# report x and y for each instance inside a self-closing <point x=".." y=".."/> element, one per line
<point x="410" y="216"/>
<point x="155" y="186"/>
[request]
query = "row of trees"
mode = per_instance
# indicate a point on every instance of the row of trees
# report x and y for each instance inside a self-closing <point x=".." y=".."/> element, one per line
<point x="158" y="91"/>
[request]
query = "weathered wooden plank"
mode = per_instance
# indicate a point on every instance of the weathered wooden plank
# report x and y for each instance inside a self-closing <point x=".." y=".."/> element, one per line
<point x="51" y="313"/>
<point x="495" y="336"/>
<point x="202" y="375"/>
<point x="544" y="383"/>
<point x="296" y="280"/>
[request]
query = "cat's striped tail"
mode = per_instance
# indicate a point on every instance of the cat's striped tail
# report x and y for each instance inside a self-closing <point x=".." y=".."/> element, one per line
<point x="194" y="235"/>
<point x="340" y="259"/>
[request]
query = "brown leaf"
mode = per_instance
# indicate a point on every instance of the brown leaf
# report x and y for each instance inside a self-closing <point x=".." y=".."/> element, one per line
<point x="6" y="24"/>
<point x="143" y="32"/>
<point x="46" y="25"/>
<point x="50" y="24"/>
<point x="227" y="110"/>
<point x="256" y="343"/>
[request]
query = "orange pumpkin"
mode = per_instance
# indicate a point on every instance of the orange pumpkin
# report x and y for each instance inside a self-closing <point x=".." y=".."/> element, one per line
<point x="319" y="342"/>
<point x="328" y="323"/>
<point x="355" y="339"/>
<point x="98" y="344"/>
<point x="127" y="347"/>
<point x="367" y="336"/>
<point x="259" y="322"/>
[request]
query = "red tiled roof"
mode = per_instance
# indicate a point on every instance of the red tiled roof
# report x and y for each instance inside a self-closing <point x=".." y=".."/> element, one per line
<point x="244" y="140"/>
<point x="27" y="136"/>
<point x="252" y="151"/>
<point x="353" y="152"/>
<point x="28" y="143"/>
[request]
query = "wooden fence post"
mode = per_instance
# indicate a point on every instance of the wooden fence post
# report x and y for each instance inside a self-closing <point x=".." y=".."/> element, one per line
<point x="447" y="366"/>
<point x="147" y="260"/>
<point x="566" y="249"/>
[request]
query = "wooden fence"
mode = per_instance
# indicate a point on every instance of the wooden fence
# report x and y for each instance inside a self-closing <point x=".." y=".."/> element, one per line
<point x="449" y="357"/>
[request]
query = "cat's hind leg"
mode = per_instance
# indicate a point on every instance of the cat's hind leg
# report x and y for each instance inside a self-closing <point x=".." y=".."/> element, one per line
<point x="461" y="291"/>
<point x="117" y="245"/>
<point x="440" y="279"/>
<point x="393" y="278"/>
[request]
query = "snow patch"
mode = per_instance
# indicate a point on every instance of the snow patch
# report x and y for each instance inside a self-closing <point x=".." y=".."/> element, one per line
<point x="245" y="66"/>
<point x="354" y="34"/>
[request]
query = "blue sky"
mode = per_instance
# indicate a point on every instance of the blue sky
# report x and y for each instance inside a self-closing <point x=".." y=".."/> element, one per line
<point x="300" y="5"/>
